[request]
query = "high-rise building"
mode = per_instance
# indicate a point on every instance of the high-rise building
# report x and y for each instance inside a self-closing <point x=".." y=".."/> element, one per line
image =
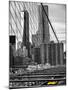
<point x="43" y="24"/>
<point x="12" y="47"/>
<point x="42" y="35"/>
<point x="25" y="40"/>
<point x="26" y="29"/>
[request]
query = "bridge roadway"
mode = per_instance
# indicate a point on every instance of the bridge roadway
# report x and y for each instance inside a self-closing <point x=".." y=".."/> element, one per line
<point x="39" y="77"/>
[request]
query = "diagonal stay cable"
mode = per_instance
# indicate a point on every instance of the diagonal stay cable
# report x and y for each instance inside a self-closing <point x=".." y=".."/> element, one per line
<point x="23" y="10"/>
<point x="13" y="30"/>
<point x="15" y="23"/>
<point x="23" y="6"/>
<point x="19" y="5"/>
<point x="50" y="23"/>
<point x="16" y="14"/>
<point x="18" y="11"/>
